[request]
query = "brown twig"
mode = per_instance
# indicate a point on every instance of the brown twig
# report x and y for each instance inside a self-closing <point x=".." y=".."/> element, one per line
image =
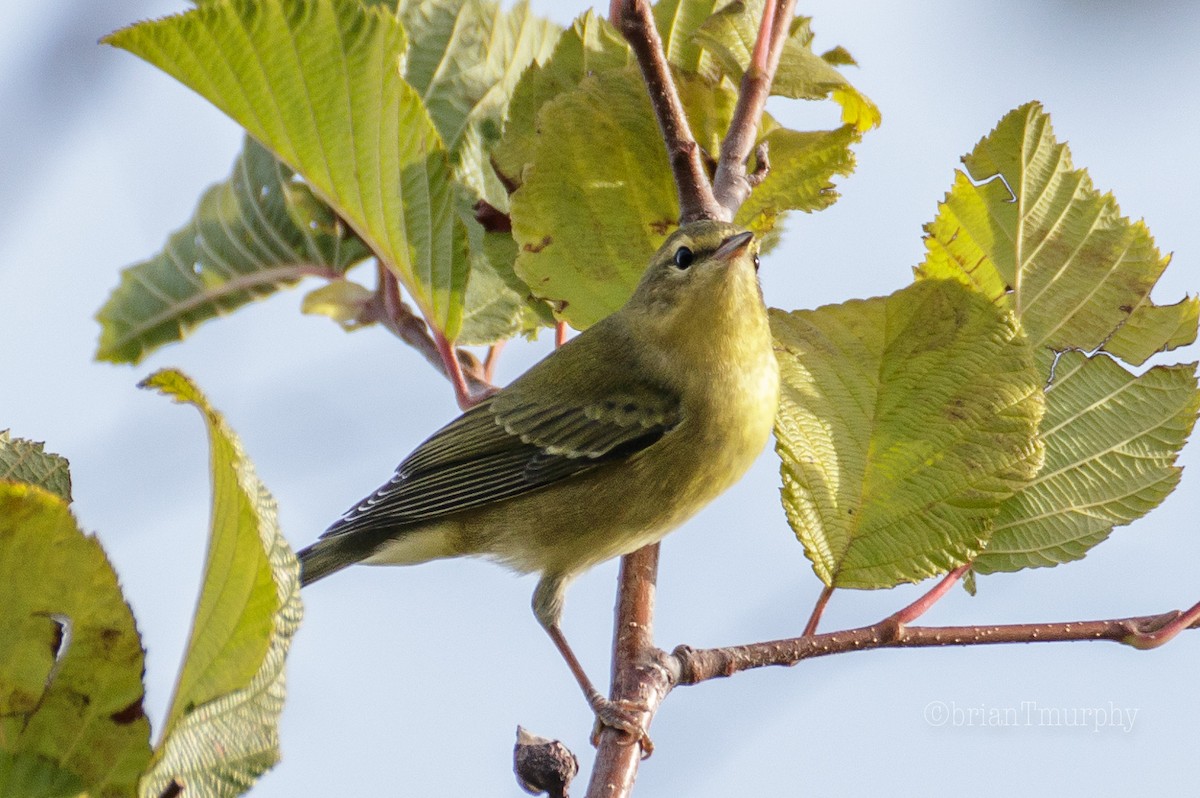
<point x="731" y="185"/>
<point x="387" y="308"/>
<point x="696" y="200"/>
<point x="639" y="678"/>
<point x="693" y="666"/>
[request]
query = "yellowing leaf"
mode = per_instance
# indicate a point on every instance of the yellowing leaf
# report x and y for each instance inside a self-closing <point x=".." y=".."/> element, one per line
<point x="1032" y="233"/>
<point x="71" y="718"/>
<point x="904" y="423"/>
<point x="730" y="34"/>
<point x="318" y="83"/>
<point x="221" y="731"/>
<point x="802" y="165"/>
<point x="341" y="300"/>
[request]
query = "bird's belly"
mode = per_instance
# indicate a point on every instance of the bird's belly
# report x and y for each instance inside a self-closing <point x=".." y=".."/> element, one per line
<point x="618" y="509"/>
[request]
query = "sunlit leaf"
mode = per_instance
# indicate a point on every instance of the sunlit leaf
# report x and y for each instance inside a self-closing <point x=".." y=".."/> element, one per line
<point x="318" y="83"/>
<point x="802" y="168"/>
<point x="222" y="728"/>
<point x="802" y="74"/>
<point x="904" y="423"/>
<point x="71" y="718"/>
<point x="677" y="22"/>
<point x="1031" y="232"/>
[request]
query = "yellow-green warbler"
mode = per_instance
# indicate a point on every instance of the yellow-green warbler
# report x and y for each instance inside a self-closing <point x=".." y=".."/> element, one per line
<point x="604" y="446"/>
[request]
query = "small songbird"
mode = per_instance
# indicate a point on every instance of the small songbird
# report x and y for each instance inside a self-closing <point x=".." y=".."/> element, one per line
<point x="603" y="447"/>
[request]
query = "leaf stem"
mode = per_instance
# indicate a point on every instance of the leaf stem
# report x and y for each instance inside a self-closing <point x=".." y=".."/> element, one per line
<point x="818" y="609"/>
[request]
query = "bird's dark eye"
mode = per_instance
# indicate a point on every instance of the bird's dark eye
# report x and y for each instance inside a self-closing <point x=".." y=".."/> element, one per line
<point x="683" y="257"/>
<point x="756" y="263"/>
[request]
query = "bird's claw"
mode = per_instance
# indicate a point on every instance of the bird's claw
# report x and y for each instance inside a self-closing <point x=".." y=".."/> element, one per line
<point x="622" y="716"/>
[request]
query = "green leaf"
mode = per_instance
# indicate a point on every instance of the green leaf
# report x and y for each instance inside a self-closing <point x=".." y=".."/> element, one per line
<point x="802" y="167"/>
<point x="465" y="59"/>
<point x="590" y="46"/>
<point x="598" y="198"/>
<point x="252" y="235"/>
<point x="341" y="300"/>
<point x="904" y="423"/>
<point x="1032" y="233"/>
<point x="1111" y="444"/>
<point x="29" y="462"/>
<point x="221" y="731"/>
<point x="802" y="74"/>
<point x="318" y="83"/>
<point x="71" y="718"/>
<point x="677" y="22"/>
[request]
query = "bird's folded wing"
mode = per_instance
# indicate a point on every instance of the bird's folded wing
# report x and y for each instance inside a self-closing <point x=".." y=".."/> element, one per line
<point x="510" y="445"/>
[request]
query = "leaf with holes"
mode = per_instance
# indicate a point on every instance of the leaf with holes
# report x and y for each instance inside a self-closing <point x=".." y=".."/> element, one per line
<point x="71" y="719"/>
<point x="252" y="235"/>
<point x="1032" y="233"/>
<point x="904" y="423"/>
<point x="319" y="84"/>
<point x="221" y="731"/>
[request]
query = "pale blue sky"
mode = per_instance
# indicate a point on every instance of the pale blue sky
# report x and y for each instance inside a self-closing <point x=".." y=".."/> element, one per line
<point x="412" y="681"/>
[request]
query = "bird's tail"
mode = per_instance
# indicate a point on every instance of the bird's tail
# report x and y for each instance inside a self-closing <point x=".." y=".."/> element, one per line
<point x="325" y="557"/>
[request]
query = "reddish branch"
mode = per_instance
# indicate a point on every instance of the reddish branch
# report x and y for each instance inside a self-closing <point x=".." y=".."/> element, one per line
<point x="387" y="308"/>
<point x="639" y="679"/>
<point x="693" y="666"/>
<point x="731" y="185"/>
<point x="696" y="200"/>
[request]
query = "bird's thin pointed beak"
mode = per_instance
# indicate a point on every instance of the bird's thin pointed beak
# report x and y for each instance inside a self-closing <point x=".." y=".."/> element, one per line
<point x="733" y="246"/>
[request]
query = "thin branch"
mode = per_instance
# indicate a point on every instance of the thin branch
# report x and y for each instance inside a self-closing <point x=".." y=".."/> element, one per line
<point x="387" y="308"/>
<point x="922" y="605"/>
<point x="493" y="357"/>
<point x="731" y="185"/>
<point x="693" y="666"/>
<point x="639" y="678"/>
<point x="818" y="610"/>
<point x="560" y="334"/>
<point x="696" y="200"/>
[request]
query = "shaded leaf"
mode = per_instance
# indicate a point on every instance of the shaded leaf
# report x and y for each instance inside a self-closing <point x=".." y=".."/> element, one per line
<point x="221" y="731"/>
<point x="591" y="45"/>
<point x="598" y="198"/>
<point x="318" y="83"/>
<point x="29" y="462"/>
<point x="1111" y="444"/>
<point x="252" y="235"/>
<point x="904" y="423"/>
<point x="71" y="719"/>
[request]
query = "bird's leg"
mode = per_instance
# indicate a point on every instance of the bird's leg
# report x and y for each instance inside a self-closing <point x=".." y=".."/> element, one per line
<point x="547" y="606"/>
